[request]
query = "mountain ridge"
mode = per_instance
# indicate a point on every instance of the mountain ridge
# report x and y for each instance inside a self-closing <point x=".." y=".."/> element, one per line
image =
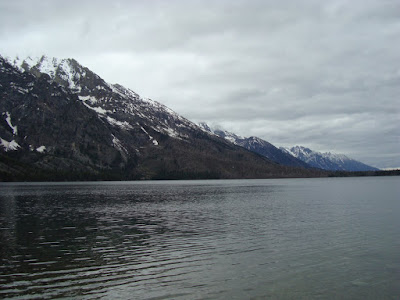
<point x="259" y="146"/>
<point x="68" y="123"/>
<point x="328" y="161"/>
<point x="304" y="157"/>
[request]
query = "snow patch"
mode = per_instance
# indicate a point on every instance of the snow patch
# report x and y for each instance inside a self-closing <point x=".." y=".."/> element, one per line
<point x="144" y="130"/>
<point x="117" y="144"/>
<point x="21" y="90"/>
<point x="230" y="139"/>
<point x="99" y="110"/>
<point x="150" y="137"/>
<point x="14" y="128"/>
<point x="91" y="99"/>
<point x="52" y="67"/>
<point x="9" y="146"/>
<point x="171" y="132"/>
<point x="124" y="125"/>
<point x="229" y="136"/>
<point x="41" y="149"/>
<point x="46" y="66"/>
<point x="122" y="91"/>
<point x="77" y="89"/>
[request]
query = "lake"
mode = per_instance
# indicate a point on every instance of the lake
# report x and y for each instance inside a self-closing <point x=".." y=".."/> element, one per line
<point x="327" y="238"/>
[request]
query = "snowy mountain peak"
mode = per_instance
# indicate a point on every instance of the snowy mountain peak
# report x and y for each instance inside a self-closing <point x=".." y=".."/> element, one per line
<point x="116" y="104"/>
<point x="307" y="152"/>
<point x="299" y="151"/>
<point x="327" y="160"/>
<point x="229" y="136"/>
<point x="256" y="140"/>
<point x="66" y="72"/>
<point x="204" y="126"/>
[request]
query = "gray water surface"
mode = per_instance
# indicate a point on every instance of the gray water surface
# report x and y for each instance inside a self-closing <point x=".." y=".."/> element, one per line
<point x="332" y="238"/>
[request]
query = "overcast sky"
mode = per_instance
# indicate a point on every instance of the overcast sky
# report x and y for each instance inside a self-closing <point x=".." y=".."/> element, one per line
<point x="322" y="74"/>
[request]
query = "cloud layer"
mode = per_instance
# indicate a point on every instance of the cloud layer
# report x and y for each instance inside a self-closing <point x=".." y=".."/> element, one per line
<point x="323" y="74"/>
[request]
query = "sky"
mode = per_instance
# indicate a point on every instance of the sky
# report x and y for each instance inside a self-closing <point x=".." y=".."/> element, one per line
<point x="321" y="74"/>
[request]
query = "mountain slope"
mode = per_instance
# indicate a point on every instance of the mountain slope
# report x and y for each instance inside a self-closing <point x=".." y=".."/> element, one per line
<point x="45" y="121"/>
<point x="327" y="161"/>
<point x="59" y="120"/>
<point x="259" y="146"/>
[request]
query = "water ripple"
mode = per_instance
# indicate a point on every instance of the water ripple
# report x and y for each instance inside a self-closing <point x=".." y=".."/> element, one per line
<point x="198" y="240"/>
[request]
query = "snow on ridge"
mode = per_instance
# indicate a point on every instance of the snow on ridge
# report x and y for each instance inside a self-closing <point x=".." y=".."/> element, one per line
<point x="150" y="137"/>
<point x="16" y="62"/>
<point x="140" y="105"/>
<point x="298" y="151"/>
<point x="125" y="91"/>
<point x="230" y="136"/>
<point x="70" y="72"/>
<point x="117" y="144"/>
<point x="51" y="66"/>
<point x="204" y="126"/>
<point x="327" y="160"/>
<point x="124" y="125"/>
<point x="306" y="152"/>
<point x="287" y="149"/>
<point x="89" y="98"/>
<point x="122" y="91"/>
<point x="9" y="146"/>
<point x="335" y="157"/>
<point x="46" y="66"/>
<point x="166" y="109"/>
<point x="14" y="128"/>
<point x="171" y="132"/>
<point x="115" y="89"/>
<point x="230" y="139"/>
<point x="257" y="141"/>
<point x="62" y="67"/>
<point x="98" y="109"/>
<point x="29" y="61"/>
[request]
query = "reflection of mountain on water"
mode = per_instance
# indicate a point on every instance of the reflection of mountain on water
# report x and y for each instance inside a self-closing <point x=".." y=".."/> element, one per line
<point x="8" y="222"/>
<point x="215" y="239"/>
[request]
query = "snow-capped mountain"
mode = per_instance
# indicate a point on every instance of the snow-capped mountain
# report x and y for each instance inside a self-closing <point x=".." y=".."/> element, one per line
<point x="58" y="119"/>
<point x="259" y="146"/>
<point x="229" y="136"/>
<point x="327" y="161"/>
<point x="117" y="105"/>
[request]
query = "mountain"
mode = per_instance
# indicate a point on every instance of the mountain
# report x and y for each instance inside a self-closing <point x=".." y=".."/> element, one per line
<point x="259" y="146"/>
<point x="327" y="161"/>
<point x="61" y="121"/>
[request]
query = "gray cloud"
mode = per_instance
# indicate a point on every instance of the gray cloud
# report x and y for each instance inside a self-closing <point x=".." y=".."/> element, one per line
<point x="323" y="74"/>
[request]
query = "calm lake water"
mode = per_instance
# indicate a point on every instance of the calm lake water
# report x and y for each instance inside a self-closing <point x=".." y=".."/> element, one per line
<point x="332" y="238"/>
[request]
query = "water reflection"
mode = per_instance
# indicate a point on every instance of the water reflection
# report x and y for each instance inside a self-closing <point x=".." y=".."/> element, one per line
<point x="219" y="239"/>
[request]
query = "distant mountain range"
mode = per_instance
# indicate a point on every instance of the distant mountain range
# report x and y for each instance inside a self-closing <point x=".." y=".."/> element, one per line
<point x="61" y="121"/>
<point x="296" y="156"/>
<point x="259" y="146"/>
<point x="327" y="161"/>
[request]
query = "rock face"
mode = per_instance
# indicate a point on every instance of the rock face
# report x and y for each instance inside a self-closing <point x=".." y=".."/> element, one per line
<point x="327" y="161"/>
<point x="259" y="146"/>
<point x="61" y="121"/>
